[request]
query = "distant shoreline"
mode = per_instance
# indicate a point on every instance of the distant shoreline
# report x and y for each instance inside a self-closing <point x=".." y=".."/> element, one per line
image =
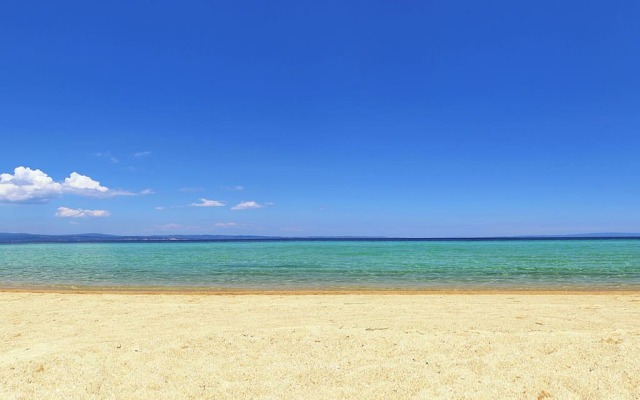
<point x="28" y="238"/>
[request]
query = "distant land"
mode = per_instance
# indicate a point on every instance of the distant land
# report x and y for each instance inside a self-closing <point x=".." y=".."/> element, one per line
<point x="104" y="238"/>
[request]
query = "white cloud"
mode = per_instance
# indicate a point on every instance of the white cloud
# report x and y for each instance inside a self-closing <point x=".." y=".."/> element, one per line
<point x="65" y="212"/>
<point x="247" y="205"/>
<point x="208" y="203"/>
<point x="141" y="154"/>
<point x="83" y="184"/>
<point x="226" y="224"/>
<point x="236" y="188"/>
<point x="28" y="185"/>
<point x="160" y="208"/>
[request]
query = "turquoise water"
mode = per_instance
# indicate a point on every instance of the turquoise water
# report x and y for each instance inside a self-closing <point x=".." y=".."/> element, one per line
<point x="555" y="264"/>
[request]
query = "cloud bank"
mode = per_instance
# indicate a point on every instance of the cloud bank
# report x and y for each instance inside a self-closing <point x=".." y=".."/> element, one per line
<point x="246" y="205"/>
<point x="28" y="185"/>
<point x="208" y="203"/>
<point x="82" y="184"/>
<point x="65" y="212"/>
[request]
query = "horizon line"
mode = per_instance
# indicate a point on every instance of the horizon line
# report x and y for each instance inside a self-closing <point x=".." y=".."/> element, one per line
<point x="11" y="237"/>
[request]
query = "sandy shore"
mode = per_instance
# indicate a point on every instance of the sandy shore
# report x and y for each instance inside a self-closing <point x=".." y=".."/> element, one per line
<point x="170" y="346"/>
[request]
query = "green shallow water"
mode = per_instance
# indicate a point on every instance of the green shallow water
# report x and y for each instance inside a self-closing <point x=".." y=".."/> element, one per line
<point x="500" y="264"/>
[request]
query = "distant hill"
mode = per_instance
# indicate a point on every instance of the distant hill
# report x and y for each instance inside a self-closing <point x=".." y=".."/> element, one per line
<point x="99" y="237"/>
<point x="103" y="238"/>
<point x="590" y="235"/>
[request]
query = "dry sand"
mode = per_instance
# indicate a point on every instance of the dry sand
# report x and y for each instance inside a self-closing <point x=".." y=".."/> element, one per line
<point x="170" y="346"/>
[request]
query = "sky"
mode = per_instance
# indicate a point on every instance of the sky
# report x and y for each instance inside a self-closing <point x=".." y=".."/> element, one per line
<point x="297" y="118"/>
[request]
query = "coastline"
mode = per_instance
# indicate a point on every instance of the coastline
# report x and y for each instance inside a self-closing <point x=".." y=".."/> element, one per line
<point x="180" y="291"/>
<point x="319" y="345"/>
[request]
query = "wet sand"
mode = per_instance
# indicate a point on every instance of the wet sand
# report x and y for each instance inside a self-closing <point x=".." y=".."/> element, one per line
<point x="331" y="345"/>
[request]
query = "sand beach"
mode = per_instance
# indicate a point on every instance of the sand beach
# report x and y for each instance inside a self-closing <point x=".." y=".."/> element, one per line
<point x="359" y="345"/>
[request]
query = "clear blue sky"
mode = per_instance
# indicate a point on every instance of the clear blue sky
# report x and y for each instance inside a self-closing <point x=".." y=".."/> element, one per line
<point x="412" y="118"/>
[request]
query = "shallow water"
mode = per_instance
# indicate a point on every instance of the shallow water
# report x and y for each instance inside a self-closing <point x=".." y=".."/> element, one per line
<point x="499" y="264"/>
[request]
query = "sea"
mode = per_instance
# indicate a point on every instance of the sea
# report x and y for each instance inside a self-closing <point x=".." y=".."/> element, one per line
<point x="593" y="264"/>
